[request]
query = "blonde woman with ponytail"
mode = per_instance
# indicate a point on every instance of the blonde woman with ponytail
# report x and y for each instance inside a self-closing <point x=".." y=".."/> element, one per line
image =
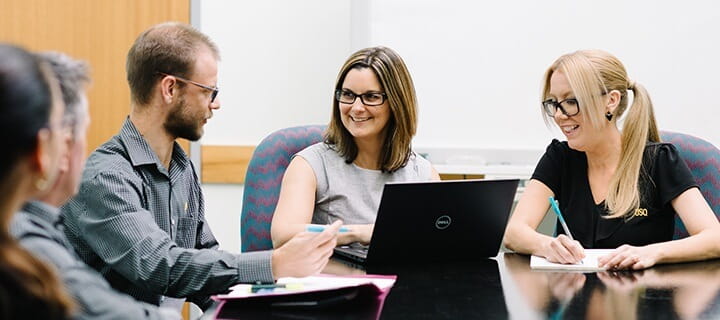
<point x="616" y="188"/>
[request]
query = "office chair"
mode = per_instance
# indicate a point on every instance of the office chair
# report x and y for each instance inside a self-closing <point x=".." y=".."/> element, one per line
<point x="703" y="159"/>
<point x="262" y="181"/>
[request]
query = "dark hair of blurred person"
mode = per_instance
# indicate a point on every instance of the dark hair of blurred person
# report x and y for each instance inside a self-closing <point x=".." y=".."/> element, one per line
<point x="33" y="136"/>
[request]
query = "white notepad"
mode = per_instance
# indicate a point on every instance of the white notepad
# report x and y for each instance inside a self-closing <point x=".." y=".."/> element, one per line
<point x="589" y="263"/>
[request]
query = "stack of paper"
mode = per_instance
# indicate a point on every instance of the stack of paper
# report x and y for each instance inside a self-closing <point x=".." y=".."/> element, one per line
<point x="306" y="298"/>
<point x="311" y="284"/>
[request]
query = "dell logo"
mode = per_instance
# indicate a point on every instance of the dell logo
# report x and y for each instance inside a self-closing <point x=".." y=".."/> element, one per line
<point x="443" y="222"/>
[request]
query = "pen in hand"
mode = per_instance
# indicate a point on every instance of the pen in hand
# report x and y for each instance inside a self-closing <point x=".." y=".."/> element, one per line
<point x="556" y="209"/>
<point x="321" y="228"/>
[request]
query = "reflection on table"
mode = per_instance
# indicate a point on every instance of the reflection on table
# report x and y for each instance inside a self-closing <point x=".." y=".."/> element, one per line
<point x="506" y="287"/>
<point x="445" y="291"/>
<point x="677" y="291"/>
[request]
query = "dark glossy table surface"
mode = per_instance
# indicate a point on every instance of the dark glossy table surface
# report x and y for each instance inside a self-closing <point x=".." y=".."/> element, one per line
<point x="506" y="287"/>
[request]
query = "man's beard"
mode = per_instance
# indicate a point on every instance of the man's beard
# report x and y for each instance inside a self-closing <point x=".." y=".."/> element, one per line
<point x="180" y="124"/>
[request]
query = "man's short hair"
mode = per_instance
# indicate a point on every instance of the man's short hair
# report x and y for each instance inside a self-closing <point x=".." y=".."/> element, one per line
<point x="73" y="76"/>
<point x="169" y="48"/>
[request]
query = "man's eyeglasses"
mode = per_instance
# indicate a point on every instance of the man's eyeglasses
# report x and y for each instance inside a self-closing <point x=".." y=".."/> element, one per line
<point x="214" y="90"/>
<point x="568" y="107"/>
<point x="369" y="99"/>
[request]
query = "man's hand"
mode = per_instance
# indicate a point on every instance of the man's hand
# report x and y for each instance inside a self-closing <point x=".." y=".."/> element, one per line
<point x="306" y="253"/>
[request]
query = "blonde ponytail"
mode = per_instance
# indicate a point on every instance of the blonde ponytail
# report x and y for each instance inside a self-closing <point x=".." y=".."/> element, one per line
<point x="639" y="129"/>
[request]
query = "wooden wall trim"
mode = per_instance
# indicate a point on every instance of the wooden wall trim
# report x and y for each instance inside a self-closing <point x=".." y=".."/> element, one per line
<point x="454" y="176"/>
<point x="225" y="164"/>
<point x="99" y="32"/>
<point x="228" y="164"/>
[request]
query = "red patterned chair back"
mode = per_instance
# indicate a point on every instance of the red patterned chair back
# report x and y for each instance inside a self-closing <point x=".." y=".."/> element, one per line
<point x="703" y="159"/>
<point x="262" y="181"/>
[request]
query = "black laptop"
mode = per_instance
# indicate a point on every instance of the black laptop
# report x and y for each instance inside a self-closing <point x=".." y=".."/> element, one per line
<point x="460" y="220"/>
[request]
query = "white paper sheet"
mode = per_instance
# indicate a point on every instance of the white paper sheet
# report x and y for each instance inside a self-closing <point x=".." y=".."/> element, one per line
<point x="589" y="263"/>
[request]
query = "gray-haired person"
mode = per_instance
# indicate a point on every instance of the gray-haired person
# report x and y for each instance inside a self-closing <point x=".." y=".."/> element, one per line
<point x="37" y="226"/>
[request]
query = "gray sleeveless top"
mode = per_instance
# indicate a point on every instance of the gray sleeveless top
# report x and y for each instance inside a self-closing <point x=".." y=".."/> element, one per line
<point x="348" y="192"/>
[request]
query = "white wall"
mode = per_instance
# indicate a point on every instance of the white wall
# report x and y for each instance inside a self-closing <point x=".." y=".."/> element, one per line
<point x="477" y="66"/>
<point x="279" y="63"/>
<point x="223" y="204"/>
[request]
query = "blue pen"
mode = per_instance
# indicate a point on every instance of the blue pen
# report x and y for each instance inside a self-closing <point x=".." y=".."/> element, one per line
<point x="556" y="209"/>
<point x="321" y="228"/>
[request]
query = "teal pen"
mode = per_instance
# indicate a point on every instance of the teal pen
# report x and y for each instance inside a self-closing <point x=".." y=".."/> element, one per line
<point x="556" y="209"/>
<point x="321" y="228"/>
<point x="260" y="288"/>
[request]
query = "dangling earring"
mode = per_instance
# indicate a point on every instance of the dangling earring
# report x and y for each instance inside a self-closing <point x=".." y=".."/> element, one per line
<point x="41" y="184"/>
<point x="609" y="116"/>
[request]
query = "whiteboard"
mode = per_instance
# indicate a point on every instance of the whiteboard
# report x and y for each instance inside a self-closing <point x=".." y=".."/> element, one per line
<point x="477" y="65"/>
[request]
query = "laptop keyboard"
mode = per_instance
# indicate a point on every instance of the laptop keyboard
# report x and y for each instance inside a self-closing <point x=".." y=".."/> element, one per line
<point x="357" y="247"/>
<point x="354" y="251"/>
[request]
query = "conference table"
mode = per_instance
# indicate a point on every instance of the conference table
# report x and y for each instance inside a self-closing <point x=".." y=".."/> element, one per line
<point x="505" y="287"/>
